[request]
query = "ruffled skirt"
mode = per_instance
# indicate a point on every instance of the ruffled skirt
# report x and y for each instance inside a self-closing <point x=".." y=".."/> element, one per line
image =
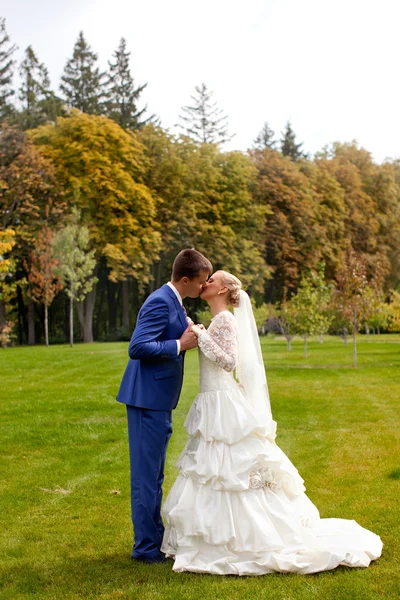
<point x="238" y="505"/>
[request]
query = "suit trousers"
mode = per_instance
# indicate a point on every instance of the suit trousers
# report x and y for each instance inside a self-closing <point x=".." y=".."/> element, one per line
<point x="149" y="432"/>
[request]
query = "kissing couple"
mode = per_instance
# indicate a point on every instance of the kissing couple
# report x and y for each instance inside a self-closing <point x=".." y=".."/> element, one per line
<point x="238" y="505"/>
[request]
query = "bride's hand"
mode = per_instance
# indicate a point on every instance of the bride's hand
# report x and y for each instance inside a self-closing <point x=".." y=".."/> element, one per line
<point x="196" y="329"/>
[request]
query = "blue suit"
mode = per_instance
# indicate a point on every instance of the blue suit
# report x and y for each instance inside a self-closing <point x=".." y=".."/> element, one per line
<point x="150" y="388"/>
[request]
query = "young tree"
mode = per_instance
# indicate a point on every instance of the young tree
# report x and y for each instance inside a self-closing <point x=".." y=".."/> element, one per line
<point x="305" y="303"/>
<point x="323" y="293"/>
<point x="351" y="294"/>
<point x="82" y="80"/>
<point x="288" y="144"/>
<point x="76" y="263"/>
<point x="282" y="320"/>
<point x="203" y="121"/>
<point x="122" y="96"/>
<point x="44" y="282"/>
<point x="6" y="71"/>
<point x="265" y="138"/>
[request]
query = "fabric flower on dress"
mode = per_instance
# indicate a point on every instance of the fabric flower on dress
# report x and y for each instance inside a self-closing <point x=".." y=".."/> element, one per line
<point x="264" y="477"/>
<point x="256" y="481"/>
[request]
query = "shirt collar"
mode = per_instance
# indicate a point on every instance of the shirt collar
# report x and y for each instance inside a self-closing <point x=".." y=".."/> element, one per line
<point x="177" y="294"/>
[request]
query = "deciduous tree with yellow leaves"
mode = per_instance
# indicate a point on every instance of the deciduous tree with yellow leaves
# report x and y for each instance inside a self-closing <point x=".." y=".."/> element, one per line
<point x="101" y="168"/>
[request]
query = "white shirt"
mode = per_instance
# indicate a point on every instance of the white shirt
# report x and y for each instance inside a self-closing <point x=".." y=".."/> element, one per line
<point x="177" y="294"/>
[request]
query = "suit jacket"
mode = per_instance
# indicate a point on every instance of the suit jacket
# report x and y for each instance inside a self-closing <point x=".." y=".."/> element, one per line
<point x="154" y="374"/>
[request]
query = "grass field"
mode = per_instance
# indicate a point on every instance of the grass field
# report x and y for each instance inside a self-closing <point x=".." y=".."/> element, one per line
<point x="64" y="483"/>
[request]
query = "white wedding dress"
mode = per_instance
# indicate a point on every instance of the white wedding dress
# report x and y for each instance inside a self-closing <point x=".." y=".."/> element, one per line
<point x="238" y="505"/>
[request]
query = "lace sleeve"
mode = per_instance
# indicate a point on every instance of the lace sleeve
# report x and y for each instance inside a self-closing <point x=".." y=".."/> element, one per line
<point x="218" y="343"/>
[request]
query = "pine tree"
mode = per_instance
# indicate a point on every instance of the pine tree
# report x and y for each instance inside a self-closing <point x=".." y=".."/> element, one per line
<point x="34" y="91"/>
<point x="288" y="144"/>
<point x="265" y="138"/>
<point x="122" y="96"/>
<point x="204" y="122"/>
<point x="82" y="79"/>
<point x="6" y="71"/>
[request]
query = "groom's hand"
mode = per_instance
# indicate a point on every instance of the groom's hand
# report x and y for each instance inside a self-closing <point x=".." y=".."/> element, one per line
<point x="188" y="340"/>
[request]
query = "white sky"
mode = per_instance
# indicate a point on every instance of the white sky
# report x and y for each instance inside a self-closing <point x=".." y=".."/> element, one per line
<point x="332" y="68"/>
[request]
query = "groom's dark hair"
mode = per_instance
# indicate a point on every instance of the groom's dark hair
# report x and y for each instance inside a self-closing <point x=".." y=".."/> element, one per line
<point x="189" y="263"/>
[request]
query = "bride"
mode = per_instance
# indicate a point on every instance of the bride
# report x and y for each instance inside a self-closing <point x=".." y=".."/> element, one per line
<point x="238" y="505"/>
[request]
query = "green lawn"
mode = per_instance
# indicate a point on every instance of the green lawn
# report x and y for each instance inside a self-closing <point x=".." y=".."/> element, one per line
<point x="64" y="483"/>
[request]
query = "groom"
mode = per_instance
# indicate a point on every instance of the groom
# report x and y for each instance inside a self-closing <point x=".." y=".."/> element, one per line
<point x="150" y="388"/>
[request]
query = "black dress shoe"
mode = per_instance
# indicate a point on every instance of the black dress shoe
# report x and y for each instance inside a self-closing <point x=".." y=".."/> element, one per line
<point x="151" y="560"/>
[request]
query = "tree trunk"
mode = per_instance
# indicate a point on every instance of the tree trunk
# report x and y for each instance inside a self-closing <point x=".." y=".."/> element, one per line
<point x="321" y="339"/>
<point x="366" y="328"/>
<point x="71" y="321"/>
<point x="3" y="316"/>
<point x="305" y="346"/>
<point x="100" y="320"/>
<point x="88" y="324"/>
<point x="85" y="313"/>
<point x="152" y="284"/>
<point x="80" y="309"/>
<point x="46" y="325"/>
<point x="345" y="336"/>
<point x="158" y="277"/>
<point x="125" y="306"/>
<point x="31" y="322"/>
<point x="289" y="344"/>
<point x="379" y="330"/>
<point x="112" y="289"/>
<point x="22" y="322"/>
<point x="355" y="338"/>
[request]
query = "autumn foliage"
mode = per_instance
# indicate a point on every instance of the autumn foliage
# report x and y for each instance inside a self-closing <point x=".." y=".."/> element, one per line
<point x="142" y="196"/>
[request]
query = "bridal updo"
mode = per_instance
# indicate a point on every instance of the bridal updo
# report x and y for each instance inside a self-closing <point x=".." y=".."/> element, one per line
<point x="234" y="286"/>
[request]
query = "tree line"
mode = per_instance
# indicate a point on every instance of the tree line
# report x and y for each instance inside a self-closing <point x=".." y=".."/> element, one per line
<point x="96" y="199"/>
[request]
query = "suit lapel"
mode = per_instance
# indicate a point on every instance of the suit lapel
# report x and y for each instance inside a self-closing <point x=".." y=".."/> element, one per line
<point x="177" y="304"/>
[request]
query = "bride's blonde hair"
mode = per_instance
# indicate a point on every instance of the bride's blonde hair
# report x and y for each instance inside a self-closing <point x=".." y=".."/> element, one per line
<point x="234" y="286"/>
